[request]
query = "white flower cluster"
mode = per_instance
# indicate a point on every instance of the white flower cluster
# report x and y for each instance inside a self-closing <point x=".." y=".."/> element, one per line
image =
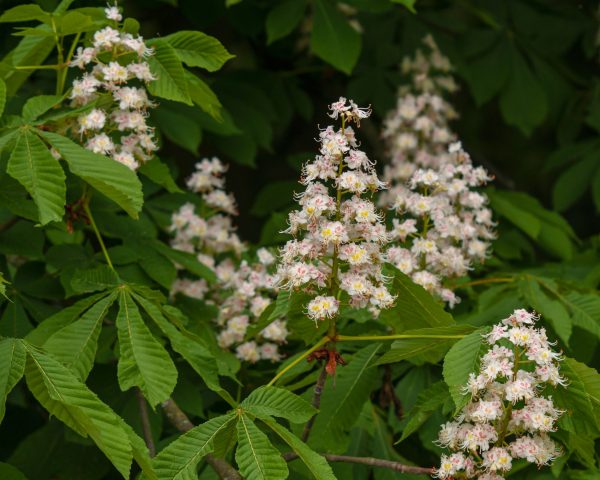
<point x="211" y="230"/>
<point x="417" y="132"/>
<point x="442" y="224"/>
<point x="507" y="417"/>
<point x="250" y="288"/>
<point x="243" y="290"/>
<point x="117" y="129"/>
<point x="341" y="233"/>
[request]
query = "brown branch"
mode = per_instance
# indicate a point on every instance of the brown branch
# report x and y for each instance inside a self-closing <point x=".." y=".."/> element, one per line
<point x="10" y="223"/>
<point x="146" y="429"/>
<point x="378" y="462"/>
<point x="373" y="462"/>
<point x="316" y="402"/>
<point x="182" y="423"/>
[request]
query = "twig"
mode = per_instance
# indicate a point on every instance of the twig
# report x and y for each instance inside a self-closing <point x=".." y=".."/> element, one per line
<point x="10" y="223"/>
<point x="316" y="402"/>
<point x="182" y="423"/>
<point x="145" y="422"/>
<point x="378" y="462"/>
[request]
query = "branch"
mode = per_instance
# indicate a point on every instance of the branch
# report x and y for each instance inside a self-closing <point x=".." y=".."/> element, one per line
<point x="182" y="423"/>
<point x="316" y="402"/>
<point x="378" y="462"/>
<point x="145" y="422"/>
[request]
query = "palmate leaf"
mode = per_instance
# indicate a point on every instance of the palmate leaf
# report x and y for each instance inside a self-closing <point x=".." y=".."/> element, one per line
<point x="110" y="178"/>
<point x="463" y="359"/>
<point x="34" y="167"/>
<point x="75" y="345"/>
<point x="257" y="459"/>
<point x="316" y="464"/>
<point x="179" y="460"/>
<point x="266" y="401"/>
<point x="340" y="407"/>
<point x="196" y="49"/>
<point x="64" y="396"/>
<point x="143" y="362"/>
<point x="196" y="353"/>
<point x="12" y="366"/>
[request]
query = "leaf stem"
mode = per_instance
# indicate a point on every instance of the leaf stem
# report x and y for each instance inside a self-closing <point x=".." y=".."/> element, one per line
<point x="37" y="67"/>
<point x="318" y="345"/>
<point x="350" y="338"/>
<point x="65" y="66"/>
<point x="88" y="212"/>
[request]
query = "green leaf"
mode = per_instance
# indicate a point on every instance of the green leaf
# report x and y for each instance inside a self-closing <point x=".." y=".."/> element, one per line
<point x="12" y="366"/>
<point x="573" y="182"/>
<point x="36" y="106"/>
<point x="191" y="349"/>
<point x="25" y="13"/>
<point x="179" y="128"/>
<point x="269" y="401"/>
<point x="203" y="96"/>
<point x="316" y="464"/>
<point x="411" y="347"/>
<point x="2" y="97"/>
<point x="34" y="167"/>
<point x="75" y="345"/>
<point x="341" y="406"/>
<point x="196" y="49"/>
<point x="170" y="80"/>
<point x="548" y="228"/>
<point x="143" y="362"/>
<point x="160" y="174"/>
<point x="551" y="309"/>
<point x="523" y="88"/>
<point x="428" y="401"/>
<point x="585" y="310"/>
<point x="284" y="18"/>
<point x="516" y="215"/>
<point x="463" y="359"/>
<point x="332" y="37"/>
<point x="273" y="196"/>
<point x="60" y="319"/>
<point x="257" y="459"/>
<point x="409" y="4"/>
<point x="8" y="472"/>
<point x="111" y="178"/>
<point x="580" y="398"/>
<point x="179" y="460"/>
<point x="414" y="307"/>
<point x="64" y="396"/>
<point x="93" y="279"/>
